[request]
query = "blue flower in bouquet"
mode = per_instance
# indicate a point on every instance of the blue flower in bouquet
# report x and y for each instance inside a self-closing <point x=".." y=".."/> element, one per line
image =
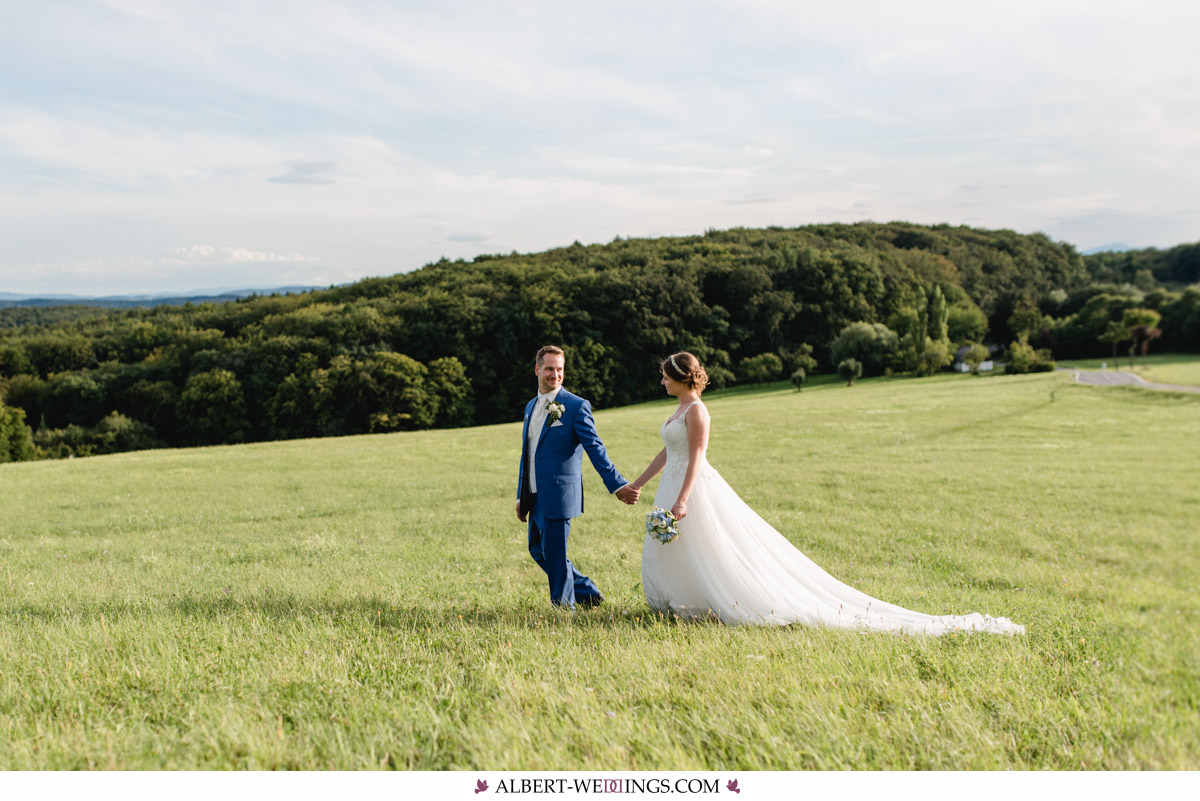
<point x="660" y="524"/>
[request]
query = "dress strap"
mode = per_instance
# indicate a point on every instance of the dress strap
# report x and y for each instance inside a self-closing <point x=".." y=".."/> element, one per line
<point x="683" y="414"/>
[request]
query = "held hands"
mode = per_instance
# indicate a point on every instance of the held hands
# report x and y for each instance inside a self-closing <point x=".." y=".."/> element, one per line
<point x="629" y="494"/>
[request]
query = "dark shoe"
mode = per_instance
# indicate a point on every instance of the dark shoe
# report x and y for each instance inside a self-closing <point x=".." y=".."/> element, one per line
<point x="590" y="601"/>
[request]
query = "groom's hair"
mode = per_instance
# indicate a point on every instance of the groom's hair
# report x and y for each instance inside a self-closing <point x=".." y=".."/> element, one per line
<point x="548" y="349"/>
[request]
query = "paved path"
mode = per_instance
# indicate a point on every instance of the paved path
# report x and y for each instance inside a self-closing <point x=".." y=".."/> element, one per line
<point x="1120" y="378"/>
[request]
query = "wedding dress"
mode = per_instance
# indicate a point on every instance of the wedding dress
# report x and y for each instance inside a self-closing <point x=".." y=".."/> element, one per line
<point x="729" y="562"/>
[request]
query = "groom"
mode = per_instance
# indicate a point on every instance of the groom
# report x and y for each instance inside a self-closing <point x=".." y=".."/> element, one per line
<point x="558" y="428"/>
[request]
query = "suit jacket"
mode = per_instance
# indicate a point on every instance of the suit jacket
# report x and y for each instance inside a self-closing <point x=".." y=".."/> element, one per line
<point x="559" y="459"/>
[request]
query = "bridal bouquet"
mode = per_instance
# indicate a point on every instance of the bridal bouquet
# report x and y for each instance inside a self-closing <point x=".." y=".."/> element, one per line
<point x="660" y="524"/>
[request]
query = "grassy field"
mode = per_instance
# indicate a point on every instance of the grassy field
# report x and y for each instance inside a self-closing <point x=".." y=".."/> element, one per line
<point x="368" y="602"/>
<point x="1165" y="368"/>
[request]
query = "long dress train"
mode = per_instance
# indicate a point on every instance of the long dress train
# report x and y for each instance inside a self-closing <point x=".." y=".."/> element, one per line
<point x="731" y="563"/>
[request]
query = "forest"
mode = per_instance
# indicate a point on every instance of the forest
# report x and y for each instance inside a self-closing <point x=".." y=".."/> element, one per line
<point x="451" y="344"/>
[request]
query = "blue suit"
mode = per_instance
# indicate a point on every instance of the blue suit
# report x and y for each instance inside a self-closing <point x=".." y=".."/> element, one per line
<point x="558" y="470"/>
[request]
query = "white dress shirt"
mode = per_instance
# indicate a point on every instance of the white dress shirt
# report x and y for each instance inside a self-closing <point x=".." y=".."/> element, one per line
<point x="537" y="421"/>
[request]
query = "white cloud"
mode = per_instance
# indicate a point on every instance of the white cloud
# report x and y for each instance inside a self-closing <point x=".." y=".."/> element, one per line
<point x="348" y="130"/>
<point x="305" y="172"/>
<point x="208" y="254"/>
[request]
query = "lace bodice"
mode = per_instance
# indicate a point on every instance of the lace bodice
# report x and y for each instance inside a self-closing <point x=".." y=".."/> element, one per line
<point x="674" y="434"/>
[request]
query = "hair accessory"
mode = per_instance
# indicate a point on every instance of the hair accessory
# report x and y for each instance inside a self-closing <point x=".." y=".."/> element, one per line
<point x="673" y="364"/>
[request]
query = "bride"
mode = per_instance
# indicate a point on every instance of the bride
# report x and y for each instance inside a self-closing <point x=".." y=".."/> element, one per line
<point x="729" y="562"/>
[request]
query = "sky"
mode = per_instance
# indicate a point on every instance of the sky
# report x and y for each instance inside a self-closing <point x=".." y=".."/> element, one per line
<point x="154" y="147"/>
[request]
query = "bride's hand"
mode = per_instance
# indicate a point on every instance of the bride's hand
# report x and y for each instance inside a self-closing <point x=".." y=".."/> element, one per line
<point x="679" y="510"/>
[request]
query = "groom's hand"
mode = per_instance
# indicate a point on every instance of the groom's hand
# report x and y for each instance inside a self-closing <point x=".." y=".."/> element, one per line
<point x="629" y="494"/>
<point x="520" y="514"/>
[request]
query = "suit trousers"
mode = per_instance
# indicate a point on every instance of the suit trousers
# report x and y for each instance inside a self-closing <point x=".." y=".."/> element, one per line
<point x="548" y="547"/>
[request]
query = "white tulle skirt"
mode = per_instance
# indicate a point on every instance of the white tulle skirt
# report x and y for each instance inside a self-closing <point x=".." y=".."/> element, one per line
<point x="730" y="563"/>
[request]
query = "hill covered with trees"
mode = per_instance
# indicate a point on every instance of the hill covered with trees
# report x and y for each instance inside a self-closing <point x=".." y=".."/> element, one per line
<point x="1149" y="268"/>
<point x="451" y="344"/>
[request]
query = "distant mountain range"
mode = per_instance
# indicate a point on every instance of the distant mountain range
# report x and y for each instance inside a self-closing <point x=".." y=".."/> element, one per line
<point x="1116" y="247"/>
<point x="9" y="299"/>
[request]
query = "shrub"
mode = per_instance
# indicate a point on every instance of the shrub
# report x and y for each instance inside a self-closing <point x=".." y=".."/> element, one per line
<point x="1022" y="358"/>
<point x="719" y="377"/>
<point x="761" y="368"/>
<point x="1045" y="362"/>
<point x="115" y="433"/>
<point x="975" y="356"/>
<point x="798" y="378"/>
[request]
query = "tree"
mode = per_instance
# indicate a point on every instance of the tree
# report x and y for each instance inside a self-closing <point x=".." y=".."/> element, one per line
<point x="933" y="358"/>
<point x="212" y="409"/>
<point x="297" y="408"/>
<point x="848" y="370"/>
<point x="761" y="368"/>
<point x="1114" y="334"/>
<point x="1142" y="336"/>
<point x="153" y="403"/>
<point x="966" y="324"/>
<point x="1025" y="320"/>
<point x="448" y="381"/>
<point x="616" y="308"/>
<point x="16" y="440"/>
<point x="14" y="361"/>
<point x="1142" y="325"/>
<point x="73" y="399"/>
<point x="938" y="316"/>
<point x="871" y="345"/>
<point x="911" y="339"/>
<point x="26" y="392"/>
<point x="59" y="352"/>
<point x="404" y="398"/>
<point x="923" y="331"/>
<point x="799" y="376"/>
<point x="799" y="358"/>
<point x="1181" y="321"/>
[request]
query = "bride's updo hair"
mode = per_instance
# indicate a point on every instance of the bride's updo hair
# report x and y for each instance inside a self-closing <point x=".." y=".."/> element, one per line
<point x="686" y="369"/>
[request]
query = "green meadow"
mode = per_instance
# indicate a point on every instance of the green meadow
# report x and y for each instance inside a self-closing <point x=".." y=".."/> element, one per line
<point x="368" y="602"/>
